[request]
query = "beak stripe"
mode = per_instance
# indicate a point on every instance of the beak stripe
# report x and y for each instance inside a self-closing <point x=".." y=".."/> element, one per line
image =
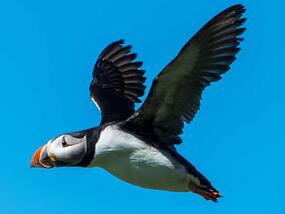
<point x="36" y="158"/>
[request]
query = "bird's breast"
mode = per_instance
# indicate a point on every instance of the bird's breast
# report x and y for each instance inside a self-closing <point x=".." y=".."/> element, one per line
<point x="136" y="162"/>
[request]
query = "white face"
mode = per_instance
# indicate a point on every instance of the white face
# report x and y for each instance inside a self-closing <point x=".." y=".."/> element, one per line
<point x="66" y="149"/>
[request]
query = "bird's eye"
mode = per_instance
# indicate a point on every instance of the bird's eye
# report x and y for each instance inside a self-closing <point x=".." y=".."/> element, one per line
<point x="63" y="142"/>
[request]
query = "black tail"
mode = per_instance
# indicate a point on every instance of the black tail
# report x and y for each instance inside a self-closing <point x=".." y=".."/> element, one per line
<point x="205" y="188"/>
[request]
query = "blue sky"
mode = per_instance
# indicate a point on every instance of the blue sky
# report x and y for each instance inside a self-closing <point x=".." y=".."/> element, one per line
<point x="47" y="52"/>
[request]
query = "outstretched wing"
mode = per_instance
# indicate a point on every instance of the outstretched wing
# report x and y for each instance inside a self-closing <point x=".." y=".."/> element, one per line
<point x="117" y="82"/>
<point x="176" y="92"/>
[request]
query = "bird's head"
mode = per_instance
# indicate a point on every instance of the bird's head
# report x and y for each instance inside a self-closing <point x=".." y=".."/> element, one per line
<point x="64" y="150"/>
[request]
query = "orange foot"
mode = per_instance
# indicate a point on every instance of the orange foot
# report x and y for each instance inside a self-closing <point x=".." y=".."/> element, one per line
<point x="207" y="193"/>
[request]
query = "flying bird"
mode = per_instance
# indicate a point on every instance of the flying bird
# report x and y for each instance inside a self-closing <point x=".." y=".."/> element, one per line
<point x="138" y="146"/>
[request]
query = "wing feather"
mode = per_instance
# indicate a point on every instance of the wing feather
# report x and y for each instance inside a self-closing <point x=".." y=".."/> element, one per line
<point x="117" y="82"/>
<point x="176" y="92"/>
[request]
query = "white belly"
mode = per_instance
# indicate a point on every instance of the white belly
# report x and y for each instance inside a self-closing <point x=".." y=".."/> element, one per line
<point x="135" y="162"/>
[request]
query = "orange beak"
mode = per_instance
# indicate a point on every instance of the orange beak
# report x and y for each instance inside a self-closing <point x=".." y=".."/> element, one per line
<point x="40" y="159"/>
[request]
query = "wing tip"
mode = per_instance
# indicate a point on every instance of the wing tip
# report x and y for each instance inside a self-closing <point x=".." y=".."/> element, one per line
<point x="120" y="41"/>
<point x="238" y="7"/>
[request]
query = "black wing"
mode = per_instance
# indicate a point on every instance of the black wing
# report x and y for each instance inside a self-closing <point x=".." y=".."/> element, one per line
<point x="117" y="82"/>
<point x="176" y="92"/>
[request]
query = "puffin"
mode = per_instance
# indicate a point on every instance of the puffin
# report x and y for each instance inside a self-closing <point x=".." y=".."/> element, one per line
<point x="139" y="146"/>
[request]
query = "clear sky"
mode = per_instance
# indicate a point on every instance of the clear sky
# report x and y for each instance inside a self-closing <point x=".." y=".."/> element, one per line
<point x="47" y="52"/>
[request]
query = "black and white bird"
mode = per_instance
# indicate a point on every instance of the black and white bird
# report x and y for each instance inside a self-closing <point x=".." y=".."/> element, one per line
<point x="139" y="146"/>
